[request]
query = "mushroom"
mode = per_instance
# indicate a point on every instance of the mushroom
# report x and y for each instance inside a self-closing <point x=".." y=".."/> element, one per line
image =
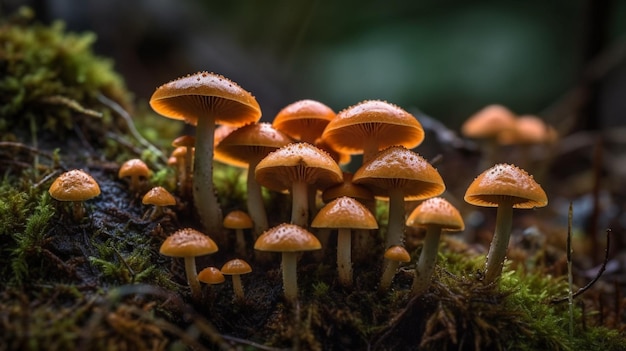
<point x="136" y="170"/>
<point x="186" y="142"/>
<point x="189" y="243"/>
<point x="506" y="187"/>
<point x="159" y="198"/>
<point x="485" y="126"/>
<point x="304" y="120"/>
<point x="248" y="145"/>
<point x="399" y="174"/>
<point x="370" y="126"/>
<point x="211" y="275"/>
<point x="204" y="99"/>
<point x="436" y="215"/>
<point x="344" y="214"/>
<point x="236" y="268"/>
<point x="394" y="255"/>
<point x="528" y="131"/>
<point x="179" y="155"/>
<point x="75" y="186"/>
<point x="289" y="239"/>
<point x="295" y="167"/>
<point x="238" y="220"/>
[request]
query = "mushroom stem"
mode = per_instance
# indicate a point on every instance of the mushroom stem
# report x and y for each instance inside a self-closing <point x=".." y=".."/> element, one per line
<point x="204" y="197"/>
<point x="500" y="242"/>
<point x="344" y="259"/>
<point x="300" y="204"/>
<point x="192" y="278"/>
<point x="395" y="228"/>
<point x="238" y="287"/>
<point x="290" y="279"/>
<point x="389" y="272"/>
<point x="426" y="262"/>
<point x="255" y="205"/>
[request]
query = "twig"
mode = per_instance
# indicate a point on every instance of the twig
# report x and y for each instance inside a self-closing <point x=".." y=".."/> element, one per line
<point x="596" y="278"/>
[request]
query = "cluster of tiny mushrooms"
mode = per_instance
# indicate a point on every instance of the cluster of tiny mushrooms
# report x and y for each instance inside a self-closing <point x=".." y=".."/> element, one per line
<point x="301" y="152"/>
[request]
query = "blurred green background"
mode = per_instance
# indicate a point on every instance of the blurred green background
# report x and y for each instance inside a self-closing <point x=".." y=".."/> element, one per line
<point x="447" y="58"/>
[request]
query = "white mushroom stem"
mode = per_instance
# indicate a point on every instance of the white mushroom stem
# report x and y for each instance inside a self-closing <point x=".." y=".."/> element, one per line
<point x="255" y="205"/>
<point x="238" y="287"/>
<point x="300" y="204"/>
<point x="204" y="197"/>
<point x="388" y="273"/>
<point x="500" y="241"/>
<point x="426" y="262"/>
<point x="344" y="257"/>
<point x="290" y="279"/>
<point x="395" y="228"/>
<point x="192" y="278"/>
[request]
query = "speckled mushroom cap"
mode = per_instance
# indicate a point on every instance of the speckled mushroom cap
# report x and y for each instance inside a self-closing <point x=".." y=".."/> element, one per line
<point x="344" y="212"/>
<point x="297" y="161"/>
<point x="158" y="196"/>
<point x="194" y="96"/>
<point x="488" y="122"/>
<point x="236" y="266"/>
<point x="387" y="123"/>
<point x="397" y="253"/>
<point x="436" y="211"/>
<point x="250" y="142"/>
<point x="237" y="220"/>
<point x="211" y="275"/>
<point x="74" y="185"/>
<point x="304" y="117"/>
<point x="287" y="238"/>
<point x="505" y="181"/>
<point x="134" y="167"/>
<point x="398" y="167"/>
<point x="188" y="242"/>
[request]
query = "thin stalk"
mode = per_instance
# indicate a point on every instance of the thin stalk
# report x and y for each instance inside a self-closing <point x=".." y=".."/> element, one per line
<point x="204" y="197"/>
<point x="500" y="241"/>
<point x="299" y="204"/>
<point x="395" y="228"/>
<point x="344" y="256"/>
<point x="290" y="278"/>
<point x="427" y="260"/>
<point x="192" y="278"/>
<point x="254" y="202"/>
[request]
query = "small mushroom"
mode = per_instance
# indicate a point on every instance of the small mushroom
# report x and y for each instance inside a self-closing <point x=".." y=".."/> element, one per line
<point x="506" y="187"/>
<point x="74" y="186"/>
<point x="304" y="120"/>
<point x="186" y="142"/>
<point x="289" y="240"/>
<point x="238" y="220"/>
<point x="236" y="268"/>
<point x="211" y="275"/>
<point x="436" y="215"/>
<point x="136" y="170"/>
<point x="159" y="198"/>
<point x="189" y="243"/>
<point x="394" y="255"/>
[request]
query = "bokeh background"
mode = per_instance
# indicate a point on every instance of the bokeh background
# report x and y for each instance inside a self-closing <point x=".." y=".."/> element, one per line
<point x="563" y="59"/>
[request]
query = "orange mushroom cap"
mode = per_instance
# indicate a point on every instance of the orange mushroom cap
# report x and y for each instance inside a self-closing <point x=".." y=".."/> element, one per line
<point x="436" y="211"/>
<point x="236" y="266"/>
<point x="528" y="130"/>
<point x="237" y="220"/>
<point x="191" y="97"/>
<point x="158" y="196"/>
<point x="188" y="242"/>
<point x="488" y="122"/>
<point x="397" y="253"/>
<point x="344" y="212"/>
<point x="211" y="275"/>
<point x="250" y="142"/>
<point x="303" y="118"/>
<point x="74" y="185"/>
<point x="184" y="141"/>
<point x="133" y="167"/>
<point x="287" y="238"/>
<point x="506" y="181"/>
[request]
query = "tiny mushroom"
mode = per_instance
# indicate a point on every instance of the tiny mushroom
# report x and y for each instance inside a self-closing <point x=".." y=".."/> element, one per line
<point x="304" y="120"/>
<point x="238" y="220"/>
<point x="506" y="187"/>
<point x="186" y="142"/>
<point x="485" y="126"/>
<point x="136" y="170"/>
<point x="236" y="268"/>
<point x="289" y="239"/>
<point x="189" y="243"/>
<point x="159" y="198"/>
<point x="345" y="214"/>
<point x="75" y="186"/>
<point x="436" y="215"/>
<point x="211" y="275"/>
<point x="394" y="255"/>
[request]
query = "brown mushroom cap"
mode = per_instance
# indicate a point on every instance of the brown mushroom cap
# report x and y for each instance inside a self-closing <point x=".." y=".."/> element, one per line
<point x="398" y="167"/>
<point x="158" y="196"/>
<point x="436" y="211"/>
<point x="191" y="97"/>
<point x="397" y="253"/>
<point x="505" y="181"/>
<point x="237" y="220"/>
<point x="236" y="266"/>
<point x="344" y="212"/>
<point x="287" y="238"/>
<point x="488" y="122"/>
<point x="188" y="242"/>
<point x="297" y="161"/>
<point x="250" y="142"/>
<point x="381" y="121"/>
<point x="74" y="185"/>
<point x="133" y="168"/>
<point x="211" y="275"/>
<point x="303" y="118"/>
<point x="184" y="141"/>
